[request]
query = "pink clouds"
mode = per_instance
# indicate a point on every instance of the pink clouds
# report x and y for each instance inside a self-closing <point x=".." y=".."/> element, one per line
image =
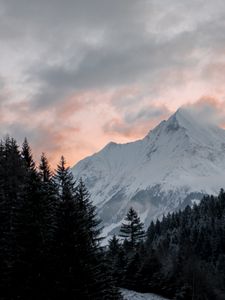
<point x="106" y="72"/>
<point x="69" y="107"/>
<point x="208" y="109"/>
<point x="215" y="71"/>
<point x="83" y="123"/>
<point x="137" y="124"/>
<point x="118" y="128"/>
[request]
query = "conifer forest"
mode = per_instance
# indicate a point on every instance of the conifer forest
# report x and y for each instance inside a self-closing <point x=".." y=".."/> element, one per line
<point x="51" y="243"/>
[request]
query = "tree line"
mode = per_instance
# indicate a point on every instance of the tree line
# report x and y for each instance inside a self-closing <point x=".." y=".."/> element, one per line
<point x="180" y="257"/>
<point x="50" y="244"/>
<point x="49" y="232"/>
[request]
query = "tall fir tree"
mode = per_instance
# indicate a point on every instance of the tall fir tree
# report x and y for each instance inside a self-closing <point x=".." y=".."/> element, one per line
<point x="27" y="155"/>
<point x="44" y="169"/>
<point x="31" y="232"/>
<point x="66" y="247"/>
<point x="12" y="176"/>
<point x="92" y="222"/>
<point x="133" y="229"/>
<point x="80" y="271"/>
<point x="50" y="204"/>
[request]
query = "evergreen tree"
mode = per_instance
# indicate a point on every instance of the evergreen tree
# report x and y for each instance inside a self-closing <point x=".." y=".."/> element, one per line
<point x="67" y="243"/>
<point x="12" y="175"/>
<point x="44" y="169"/>
<point x="131" y="272"/>
<point x="113" y="247"/>
<point x="80" y="271"/>
<point x="116" y="260"/>
<point x="31" y="231"/>
<point x="92" y="222"/>
<point x="49" y="222"/>
<point x="27" y="155"/>
<point x="151" y="234"/>
<point x="100" y="281"/>
<point x="132" y="230"/>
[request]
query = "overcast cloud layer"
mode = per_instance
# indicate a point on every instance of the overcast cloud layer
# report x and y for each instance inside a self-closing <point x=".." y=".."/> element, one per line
<point x="75" y="74"/>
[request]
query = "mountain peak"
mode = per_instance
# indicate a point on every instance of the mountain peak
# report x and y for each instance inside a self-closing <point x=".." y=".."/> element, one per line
<point x="192" y="122"/>
<point x="185" y="119"/>
<point x="181" y="159"/>
<point x="181" y="118"/>
<point x="193" y="117"/>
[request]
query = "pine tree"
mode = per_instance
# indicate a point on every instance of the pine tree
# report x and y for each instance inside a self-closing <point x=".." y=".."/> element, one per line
<point x="49" y="223"/>
<point x="44" y="169"/>
<point x="66" y="236"/>
<point x="27" y="232"/>
<point x="92" y="222"/>
<point x="72" y="240"/>
<point x="116" y="259"/>
<point x="80" y="268"/>
<point x="132" y="230"/>
<point x="27" y="155"/>
<point x="12" y="176"/>
<point x="32" y="231"/>
<point x="131" y="272"/>
<point x="114" y="246"/>
<point x="100" y="280"/>
<point x="150" y="234"/>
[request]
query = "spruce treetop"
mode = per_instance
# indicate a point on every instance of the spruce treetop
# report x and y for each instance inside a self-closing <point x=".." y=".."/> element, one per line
<point x="133" y="228"/>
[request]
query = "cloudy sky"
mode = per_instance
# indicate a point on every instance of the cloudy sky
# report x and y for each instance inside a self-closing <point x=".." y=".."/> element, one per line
<point x="76" y="74"/>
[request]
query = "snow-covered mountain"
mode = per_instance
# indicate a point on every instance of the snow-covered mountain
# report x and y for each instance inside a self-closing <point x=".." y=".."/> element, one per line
<point x="174" y="165"/>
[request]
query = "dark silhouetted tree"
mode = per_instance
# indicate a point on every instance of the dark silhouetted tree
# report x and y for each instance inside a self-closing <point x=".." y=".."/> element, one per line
<point x="132" y="230"/>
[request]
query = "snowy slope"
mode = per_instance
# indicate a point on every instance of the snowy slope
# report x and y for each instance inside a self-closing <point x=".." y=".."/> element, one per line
<point x="131" y="295"/>
<point x="174" y="165"/>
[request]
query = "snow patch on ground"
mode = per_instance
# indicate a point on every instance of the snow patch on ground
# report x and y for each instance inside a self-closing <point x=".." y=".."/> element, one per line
<point x="128" y="295"/>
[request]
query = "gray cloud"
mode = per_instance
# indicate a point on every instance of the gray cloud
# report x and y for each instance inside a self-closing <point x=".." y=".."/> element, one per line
<point x="136" y="123"/>
<point x="146" y="114"/>
<point x="52" y="49"/>
<point x="207" y="110"/>
<point x="109" y="67"/>
<point x="124" y="51"/>
<point x="129" y="29"/>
